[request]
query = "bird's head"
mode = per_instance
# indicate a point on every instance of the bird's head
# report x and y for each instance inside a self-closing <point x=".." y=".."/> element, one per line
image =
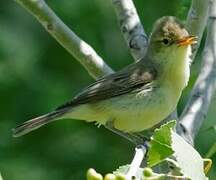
<point x="169" y="42"/>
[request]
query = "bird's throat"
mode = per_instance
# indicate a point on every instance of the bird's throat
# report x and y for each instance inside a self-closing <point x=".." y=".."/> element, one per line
<point x="178" y="72"/>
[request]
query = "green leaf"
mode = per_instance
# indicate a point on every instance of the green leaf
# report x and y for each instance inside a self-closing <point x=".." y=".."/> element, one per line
<point x="189" y="160"/>
<point x="160" y="143"/>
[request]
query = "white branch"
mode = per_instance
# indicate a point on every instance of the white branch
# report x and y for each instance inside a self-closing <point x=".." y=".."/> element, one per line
<point x="205" y="86"/>
<point x="140" y="152"/>
<point x="84" y="53"/>
<point x="196" y="20"/>
<point x="131" y="28"/>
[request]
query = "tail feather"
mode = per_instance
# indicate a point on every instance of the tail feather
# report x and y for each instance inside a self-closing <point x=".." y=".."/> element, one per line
<point x="36" y="123"/>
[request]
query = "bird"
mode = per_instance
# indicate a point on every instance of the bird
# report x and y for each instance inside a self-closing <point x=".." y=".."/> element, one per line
<point x="140" y="95"/>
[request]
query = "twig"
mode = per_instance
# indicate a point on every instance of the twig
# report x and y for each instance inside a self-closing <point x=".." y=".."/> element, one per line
<point x="196" y="20"/>
<point x="84" y="53"/>
<point x="131" y="28"/>
<point x="205" y="86"/>
<point x="140" y="152"/>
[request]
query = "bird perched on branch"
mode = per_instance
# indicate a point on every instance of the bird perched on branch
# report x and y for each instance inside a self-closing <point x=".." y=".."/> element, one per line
<point x="139" y="96"/>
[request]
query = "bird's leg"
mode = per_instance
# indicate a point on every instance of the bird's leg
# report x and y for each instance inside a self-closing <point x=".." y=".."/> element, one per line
<point x="135" y="139"/>
<point x="145" y="137"/>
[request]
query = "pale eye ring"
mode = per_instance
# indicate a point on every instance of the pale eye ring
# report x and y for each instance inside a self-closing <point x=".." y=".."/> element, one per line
<point x="165" y="41"/>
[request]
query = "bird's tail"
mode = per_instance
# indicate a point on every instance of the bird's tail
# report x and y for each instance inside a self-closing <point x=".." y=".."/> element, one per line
<point x="36" y="123"/>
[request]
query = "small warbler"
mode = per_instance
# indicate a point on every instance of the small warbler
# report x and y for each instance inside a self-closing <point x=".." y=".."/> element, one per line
<point x="140" y="95"/>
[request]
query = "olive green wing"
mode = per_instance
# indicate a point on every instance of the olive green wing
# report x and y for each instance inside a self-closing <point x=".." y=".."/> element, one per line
<point x="133" y="78"/>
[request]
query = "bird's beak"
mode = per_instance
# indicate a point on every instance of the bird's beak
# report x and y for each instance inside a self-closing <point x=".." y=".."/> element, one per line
<point x="189" y="40"/>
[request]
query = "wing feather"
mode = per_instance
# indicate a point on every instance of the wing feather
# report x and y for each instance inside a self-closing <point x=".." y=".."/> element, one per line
<point x="127" y="80"/>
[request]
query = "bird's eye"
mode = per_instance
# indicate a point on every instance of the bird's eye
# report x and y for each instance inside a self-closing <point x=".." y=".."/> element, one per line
<point x="166" y="41"/>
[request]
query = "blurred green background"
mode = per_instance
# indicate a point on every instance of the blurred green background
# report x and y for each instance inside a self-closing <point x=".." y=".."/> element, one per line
<point x="37" y="74"/>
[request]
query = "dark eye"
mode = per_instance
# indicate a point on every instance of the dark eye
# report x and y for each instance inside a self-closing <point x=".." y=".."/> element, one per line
<point x="166" y="41"/>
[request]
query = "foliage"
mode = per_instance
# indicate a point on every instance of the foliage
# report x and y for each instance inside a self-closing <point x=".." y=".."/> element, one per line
<point x="160" y="144"/>
<point x="164" y="143"/>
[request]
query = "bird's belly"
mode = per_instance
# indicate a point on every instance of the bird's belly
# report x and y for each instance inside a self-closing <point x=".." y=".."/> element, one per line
<point x="134" y="113"/>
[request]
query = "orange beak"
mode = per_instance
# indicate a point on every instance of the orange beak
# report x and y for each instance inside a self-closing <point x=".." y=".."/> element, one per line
<point x="189" y="40"/>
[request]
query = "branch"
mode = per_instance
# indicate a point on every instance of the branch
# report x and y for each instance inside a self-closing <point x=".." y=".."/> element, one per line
<point x="196" y="20"/>
<point x="205" y="86"/>
<point x="140" y="153"/>
<point x="131" y="27"/>
<point x="84" y="53"/>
